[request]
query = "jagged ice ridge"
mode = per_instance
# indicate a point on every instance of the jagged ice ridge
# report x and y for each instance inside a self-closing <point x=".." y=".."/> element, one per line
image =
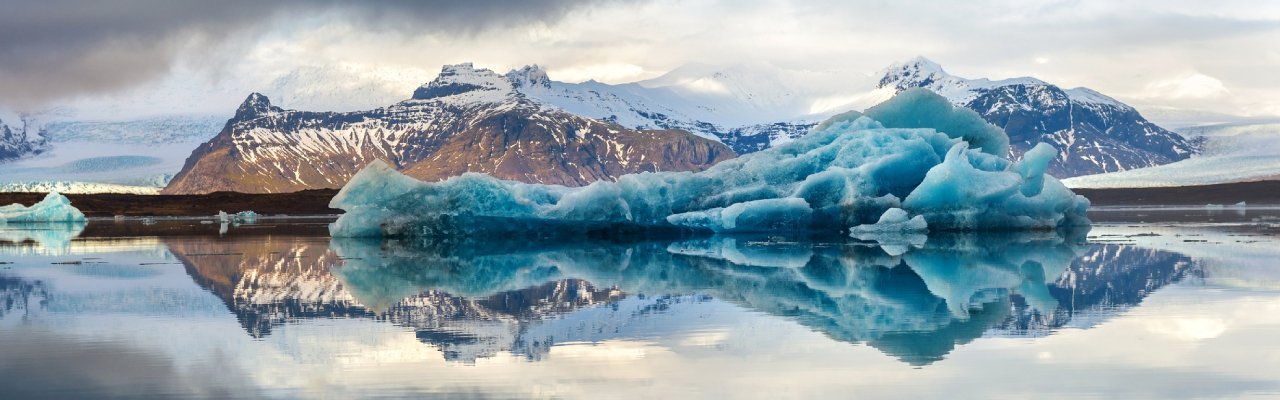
<point x="846" y="172"/>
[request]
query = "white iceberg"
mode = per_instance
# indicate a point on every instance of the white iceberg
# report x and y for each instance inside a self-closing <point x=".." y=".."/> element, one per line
<point x="54" y="208"/>
<point x="942" y="163"/>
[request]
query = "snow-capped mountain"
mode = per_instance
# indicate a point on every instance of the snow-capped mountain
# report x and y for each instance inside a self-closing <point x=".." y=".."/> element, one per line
<point x="17" y="140"/>
<point x="1093" y="133"/>
<point x="1232" y="153"/>
<point x="466" y="120"/>
<point x="161" y="123"/>
<point x="749" y="108"/>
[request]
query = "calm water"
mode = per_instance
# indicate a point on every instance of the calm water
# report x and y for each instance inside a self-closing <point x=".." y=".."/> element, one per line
<point x="1131" y="309"/>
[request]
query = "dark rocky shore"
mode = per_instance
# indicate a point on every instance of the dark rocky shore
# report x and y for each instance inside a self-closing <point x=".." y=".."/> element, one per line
<point x="306" y="202"/>
<point x="316" y="202"/>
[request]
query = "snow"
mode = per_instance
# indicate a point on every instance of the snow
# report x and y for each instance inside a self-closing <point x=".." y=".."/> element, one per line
<point x="962" y="90"/>
<point x="70" y="187"/>
<point x="54" y="208"/>
<point x="1233" y="153"/>
<point x="847" y="173"/>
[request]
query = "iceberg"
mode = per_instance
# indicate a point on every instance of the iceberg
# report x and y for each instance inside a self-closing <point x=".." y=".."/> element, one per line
<point x="54" y="208"/>
<point x="927" y="158"/>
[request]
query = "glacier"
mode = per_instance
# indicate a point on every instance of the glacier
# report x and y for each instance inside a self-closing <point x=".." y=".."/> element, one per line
<point x="54" y="208"/>
<point x="933" y="160"/>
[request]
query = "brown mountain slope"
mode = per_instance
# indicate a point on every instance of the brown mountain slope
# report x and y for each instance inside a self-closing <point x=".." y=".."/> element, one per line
<point x="265" y="149"/>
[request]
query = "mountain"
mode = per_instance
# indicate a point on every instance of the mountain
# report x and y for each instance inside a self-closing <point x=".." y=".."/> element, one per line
<point x="749" y="108"/>
<point x="466" y="120"/>
<point x="1231" y="153"/>
<point x="1093" y="133"/>
<point x="15" y="139"/>
<point x="161" y="121"/>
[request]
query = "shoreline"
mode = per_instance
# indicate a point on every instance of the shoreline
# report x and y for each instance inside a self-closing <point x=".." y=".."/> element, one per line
<point x="315" y="202"/>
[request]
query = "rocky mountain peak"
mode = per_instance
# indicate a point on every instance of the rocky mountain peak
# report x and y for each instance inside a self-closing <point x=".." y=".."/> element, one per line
<point x="1093" y="133"/>
<point x="462" y="78"/>
<point x="529" y="75"/>
<point x="916" y="72"/>
<point x="253" y="106"/>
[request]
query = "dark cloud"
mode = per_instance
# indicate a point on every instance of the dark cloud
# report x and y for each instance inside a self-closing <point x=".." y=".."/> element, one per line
<point x="54" y="48"/>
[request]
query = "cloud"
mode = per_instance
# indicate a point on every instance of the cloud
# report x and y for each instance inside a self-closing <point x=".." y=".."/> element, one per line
<point x="1191" y="86"/>
<point x="56" y="48"/>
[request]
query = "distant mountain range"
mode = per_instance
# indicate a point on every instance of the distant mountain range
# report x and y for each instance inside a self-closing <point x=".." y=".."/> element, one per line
<point x="466" y="120"/>
<point x="1093" y="133"/>
<point x="746" y="107"/>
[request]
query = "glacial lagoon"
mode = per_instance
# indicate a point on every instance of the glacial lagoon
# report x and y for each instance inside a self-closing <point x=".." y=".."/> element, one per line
<point x="1146" y="304"/>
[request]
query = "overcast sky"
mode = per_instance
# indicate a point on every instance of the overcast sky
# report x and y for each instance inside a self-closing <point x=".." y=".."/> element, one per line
<point x="1220" y="56"/>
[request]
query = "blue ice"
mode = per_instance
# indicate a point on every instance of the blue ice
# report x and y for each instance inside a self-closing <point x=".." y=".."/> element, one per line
<point x="931" y="160"/>
<point x="54" y="208"/>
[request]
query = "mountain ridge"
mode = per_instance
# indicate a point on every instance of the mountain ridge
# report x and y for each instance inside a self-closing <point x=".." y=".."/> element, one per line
<point x="453" y="125"/>
<point x="1093" y="133"/>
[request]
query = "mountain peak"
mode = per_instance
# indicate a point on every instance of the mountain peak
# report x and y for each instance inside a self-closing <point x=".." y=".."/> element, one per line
<point x="463" y="78"/>
<point x="529" y="75"/>
<point x="255" y="105"/>
<point x="915" y="72"/>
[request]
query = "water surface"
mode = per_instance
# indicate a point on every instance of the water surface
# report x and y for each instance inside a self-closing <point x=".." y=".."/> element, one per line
<point x="1135" y="308"/>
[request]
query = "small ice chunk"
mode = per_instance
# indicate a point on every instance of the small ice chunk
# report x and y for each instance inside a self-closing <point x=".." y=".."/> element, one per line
<point x="247" y="217"/>
<point x="896" y="231"/>
<point x="223" y="217"/>
<point x="894" y="220"/>
<point x="54" y="208"/>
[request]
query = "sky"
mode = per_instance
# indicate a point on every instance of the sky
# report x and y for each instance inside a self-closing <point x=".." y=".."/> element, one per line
<point x="1217" y="56"/>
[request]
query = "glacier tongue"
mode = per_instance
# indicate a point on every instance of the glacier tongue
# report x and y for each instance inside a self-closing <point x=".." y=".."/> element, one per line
<point x="846" y="172"/>
<point x="54" y="208"/>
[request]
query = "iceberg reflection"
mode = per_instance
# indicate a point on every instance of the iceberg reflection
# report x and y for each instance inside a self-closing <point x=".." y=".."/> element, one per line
<point x="38" y="238"/>
<point x="474" y="298"/>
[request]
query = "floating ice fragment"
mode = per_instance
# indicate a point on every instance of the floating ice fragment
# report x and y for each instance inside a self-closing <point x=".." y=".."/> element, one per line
<point x="894" y="220"/>
<point x="54" y="208"/>
<point x="846" y="172"/>
<point x="896" y="231"/>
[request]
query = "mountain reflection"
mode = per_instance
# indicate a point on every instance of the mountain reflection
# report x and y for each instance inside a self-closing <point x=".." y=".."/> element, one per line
<point x="475" y="298"/>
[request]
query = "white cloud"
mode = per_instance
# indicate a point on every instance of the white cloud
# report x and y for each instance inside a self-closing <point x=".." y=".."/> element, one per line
<point x="605" y="72"/>
<point x="1124" y="49"/>
<point x="1190" y="86"/>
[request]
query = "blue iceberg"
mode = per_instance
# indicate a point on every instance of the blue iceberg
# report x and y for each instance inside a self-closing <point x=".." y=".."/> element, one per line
<point x="54" y="208"/>
<point x="932" y="160"/>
